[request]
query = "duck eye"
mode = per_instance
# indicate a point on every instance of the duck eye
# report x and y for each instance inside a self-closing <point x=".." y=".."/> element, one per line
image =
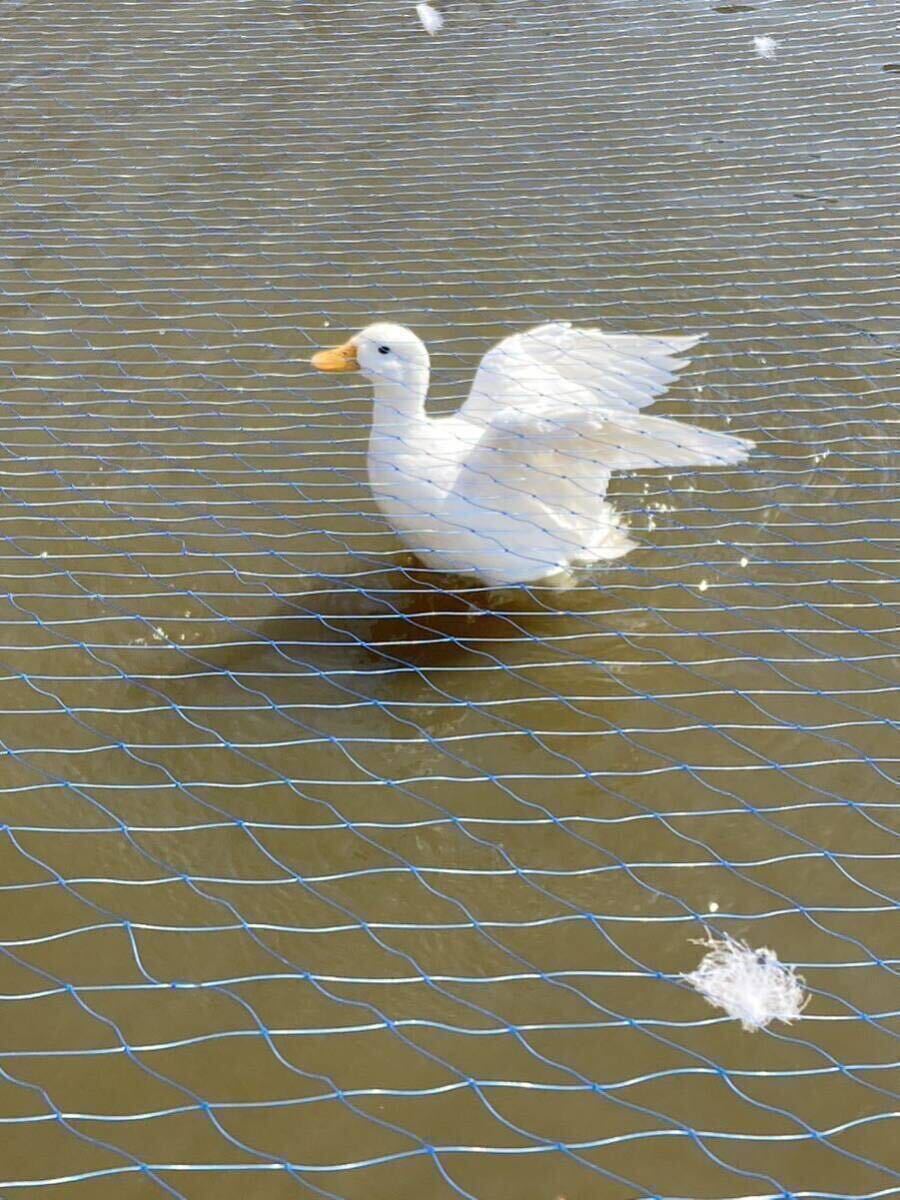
<point x="384" y="349"/>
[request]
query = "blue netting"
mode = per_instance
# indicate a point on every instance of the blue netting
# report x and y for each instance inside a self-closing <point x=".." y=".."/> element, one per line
<point x="322" y="876"/>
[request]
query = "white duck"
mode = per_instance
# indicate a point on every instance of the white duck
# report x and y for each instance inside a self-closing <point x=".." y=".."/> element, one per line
<point x="511" y="488"/>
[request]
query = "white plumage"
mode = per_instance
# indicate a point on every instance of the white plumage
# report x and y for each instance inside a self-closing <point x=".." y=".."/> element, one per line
<point x="432" y="21"/>
<point x="765" y="47"/>
<point x="511" y="489"/>
<point x="752" y="986"/>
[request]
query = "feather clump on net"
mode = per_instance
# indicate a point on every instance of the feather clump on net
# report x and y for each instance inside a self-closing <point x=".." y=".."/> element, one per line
<point x="752" y="986"/>
<point x="432" y="20"/>
<point x="765" y="47"/>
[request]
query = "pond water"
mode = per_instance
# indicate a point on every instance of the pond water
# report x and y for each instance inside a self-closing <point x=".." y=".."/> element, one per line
<point x="324" y="875"/>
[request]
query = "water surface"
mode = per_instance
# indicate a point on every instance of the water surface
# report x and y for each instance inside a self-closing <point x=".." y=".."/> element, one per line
<point x="325" y="876"/>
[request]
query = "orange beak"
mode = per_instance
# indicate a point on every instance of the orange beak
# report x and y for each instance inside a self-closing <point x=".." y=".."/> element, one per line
<point x="341" y="358"/>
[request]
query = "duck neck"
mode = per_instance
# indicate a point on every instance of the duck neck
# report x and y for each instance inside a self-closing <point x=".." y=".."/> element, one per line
<point x="400" y="401"/>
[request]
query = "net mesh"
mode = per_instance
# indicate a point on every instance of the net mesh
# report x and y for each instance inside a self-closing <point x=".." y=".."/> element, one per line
<point x="321" y="876"/>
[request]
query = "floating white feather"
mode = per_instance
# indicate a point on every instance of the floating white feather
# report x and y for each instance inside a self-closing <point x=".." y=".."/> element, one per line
<point x="432" y="21"/>
<point x="750" y="985"/>
<point x="765" y="47"/>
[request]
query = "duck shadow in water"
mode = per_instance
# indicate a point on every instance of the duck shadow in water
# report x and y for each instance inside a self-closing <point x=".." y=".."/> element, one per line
<point x="414" y="617"/>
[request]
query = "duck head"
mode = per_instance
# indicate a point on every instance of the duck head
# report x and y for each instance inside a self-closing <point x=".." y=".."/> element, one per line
<point x="382" y="352"/>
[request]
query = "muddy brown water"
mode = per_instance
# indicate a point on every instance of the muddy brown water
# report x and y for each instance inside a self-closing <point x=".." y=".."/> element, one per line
<point x="322" y="875"/>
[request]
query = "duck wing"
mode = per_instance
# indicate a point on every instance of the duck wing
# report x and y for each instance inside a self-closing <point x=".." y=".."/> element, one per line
<point x="551" y="447"/>
<point x="574" y="368"/>
<point x="531" y="489"/>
